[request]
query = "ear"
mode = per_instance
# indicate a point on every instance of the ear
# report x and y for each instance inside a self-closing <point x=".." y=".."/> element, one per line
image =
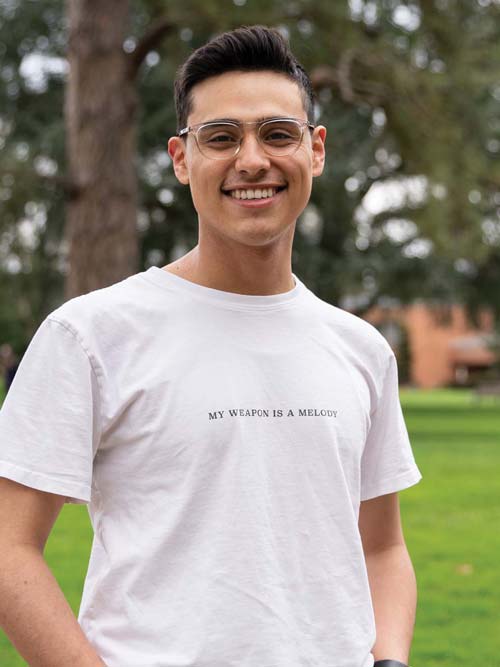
<point x="318" y="147"/>
<point x="177" y="151"/>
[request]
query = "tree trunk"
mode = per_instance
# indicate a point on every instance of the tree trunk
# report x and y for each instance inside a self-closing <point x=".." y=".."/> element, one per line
<point x="100" y="118"/>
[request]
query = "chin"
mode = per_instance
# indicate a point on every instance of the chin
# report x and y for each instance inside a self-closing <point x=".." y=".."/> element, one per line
<point x="255" y="239"/>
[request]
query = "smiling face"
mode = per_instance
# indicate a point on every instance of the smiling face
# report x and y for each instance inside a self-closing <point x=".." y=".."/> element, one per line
<point x="225" y="192"/>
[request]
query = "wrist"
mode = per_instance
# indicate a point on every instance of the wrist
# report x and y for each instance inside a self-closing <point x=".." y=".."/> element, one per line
<point x="389" y="663"/>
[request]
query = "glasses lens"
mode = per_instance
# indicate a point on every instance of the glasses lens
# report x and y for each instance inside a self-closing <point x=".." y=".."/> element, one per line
<point x="219" y="140"/>
<point x="281" y="137"/>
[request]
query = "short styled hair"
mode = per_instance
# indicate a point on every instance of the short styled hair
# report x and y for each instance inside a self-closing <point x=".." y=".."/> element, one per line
<point x="249" y="49"/>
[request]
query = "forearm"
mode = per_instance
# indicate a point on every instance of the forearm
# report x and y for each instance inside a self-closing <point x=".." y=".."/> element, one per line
<point x="394" y="595"/>
<point x="36" y="616"/>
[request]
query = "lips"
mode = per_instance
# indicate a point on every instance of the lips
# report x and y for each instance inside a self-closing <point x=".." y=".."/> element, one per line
<point x="261" y="192"/>
<point x="258" y="193"/>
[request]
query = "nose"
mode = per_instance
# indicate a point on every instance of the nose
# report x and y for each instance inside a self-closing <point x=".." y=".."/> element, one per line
<point x="251" y="157"/>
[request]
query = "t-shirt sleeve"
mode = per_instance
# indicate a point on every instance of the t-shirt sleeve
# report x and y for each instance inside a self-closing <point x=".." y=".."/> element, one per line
<point x="387" y="463"/>
<point x="50" y="419"/>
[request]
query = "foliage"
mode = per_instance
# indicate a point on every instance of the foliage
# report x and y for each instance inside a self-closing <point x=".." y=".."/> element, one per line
<point x="406" y="89"/>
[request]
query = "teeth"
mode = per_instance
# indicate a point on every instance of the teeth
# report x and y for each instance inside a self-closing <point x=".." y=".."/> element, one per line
<point x="253" y="194"/>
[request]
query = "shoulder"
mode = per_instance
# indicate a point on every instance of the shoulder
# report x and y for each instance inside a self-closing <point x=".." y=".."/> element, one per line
<point x="103" y="319"/>
<point x="106" y="304"/>
<point x="355" y="332"/>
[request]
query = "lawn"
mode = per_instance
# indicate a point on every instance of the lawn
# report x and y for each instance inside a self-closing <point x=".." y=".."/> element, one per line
<point x="451" y="522"/>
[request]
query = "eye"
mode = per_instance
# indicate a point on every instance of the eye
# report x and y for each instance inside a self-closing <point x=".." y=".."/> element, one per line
<point x="277" y="135"/>
<point x="280" y="133"/>
<point x="218" y="137"/>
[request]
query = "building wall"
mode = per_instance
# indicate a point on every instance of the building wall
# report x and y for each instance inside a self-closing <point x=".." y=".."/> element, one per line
<point x="432" y="333"/>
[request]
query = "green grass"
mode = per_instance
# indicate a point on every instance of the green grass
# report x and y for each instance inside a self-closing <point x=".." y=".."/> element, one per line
<point x="451" y="522"/>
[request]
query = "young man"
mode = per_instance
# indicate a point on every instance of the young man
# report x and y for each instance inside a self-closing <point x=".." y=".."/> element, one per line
<point x="240" y="442"/>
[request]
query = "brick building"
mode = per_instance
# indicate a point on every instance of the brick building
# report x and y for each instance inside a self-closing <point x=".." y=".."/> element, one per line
<point x="442" y="346"/>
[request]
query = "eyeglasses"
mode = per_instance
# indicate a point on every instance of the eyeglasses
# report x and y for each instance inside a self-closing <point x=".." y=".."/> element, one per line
<point x="220" y="140"/>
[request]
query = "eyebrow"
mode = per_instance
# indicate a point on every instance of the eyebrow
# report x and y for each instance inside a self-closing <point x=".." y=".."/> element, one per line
<point x="261" y="119"/>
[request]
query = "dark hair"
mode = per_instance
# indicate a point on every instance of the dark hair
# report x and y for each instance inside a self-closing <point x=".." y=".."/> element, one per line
<point x="249" y="48"/>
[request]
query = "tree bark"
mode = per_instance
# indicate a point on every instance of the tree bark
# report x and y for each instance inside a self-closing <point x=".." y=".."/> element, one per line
<point x="100" y="118"/>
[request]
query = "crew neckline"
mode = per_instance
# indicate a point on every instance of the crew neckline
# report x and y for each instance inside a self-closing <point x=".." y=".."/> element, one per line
<point x="232" y="300"/>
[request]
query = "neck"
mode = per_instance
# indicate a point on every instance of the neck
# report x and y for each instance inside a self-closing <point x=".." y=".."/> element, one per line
<point x="253" y="270"/>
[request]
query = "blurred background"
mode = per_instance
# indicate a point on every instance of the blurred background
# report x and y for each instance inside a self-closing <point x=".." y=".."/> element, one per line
<point x="403" y="228"/>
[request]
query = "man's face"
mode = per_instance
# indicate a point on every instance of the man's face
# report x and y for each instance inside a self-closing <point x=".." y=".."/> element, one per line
<point x="248" y="96"/>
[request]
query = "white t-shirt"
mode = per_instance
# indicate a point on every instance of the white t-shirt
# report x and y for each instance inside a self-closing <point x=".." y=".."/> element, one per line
<point x="224" y="443"/>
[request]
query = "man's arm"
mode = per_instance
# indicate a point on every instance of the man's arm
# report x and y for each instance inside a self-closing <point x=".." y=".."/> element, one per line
<point x="33" y="610"/>
<point x="391" y="576"/>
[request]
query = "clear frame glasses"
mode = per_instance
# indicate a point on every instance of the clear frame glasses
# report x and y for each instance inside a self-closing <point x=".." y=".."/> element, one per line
<point x="221" y="139"/>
